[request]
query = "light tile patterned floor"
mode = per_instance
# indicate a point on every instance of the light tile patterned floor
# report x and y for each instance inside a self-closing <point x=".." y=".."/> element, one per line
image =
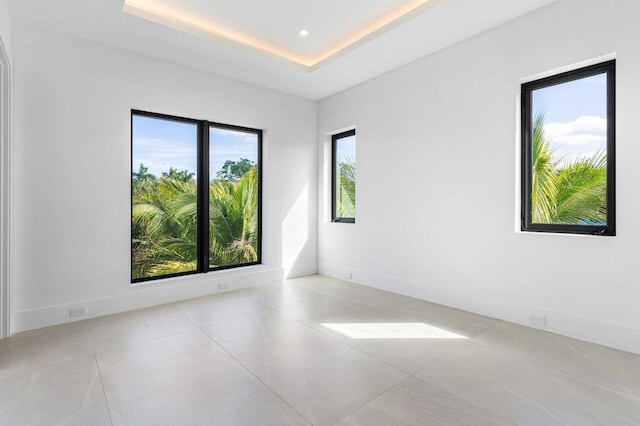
<point x="313" y="350"/>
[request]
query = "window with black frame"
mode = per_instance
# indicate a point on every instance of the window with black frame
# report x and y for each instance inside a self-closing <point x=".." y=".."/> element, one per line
<point x="343" y="186"/>
<point x="195" y="196"/>
<point x="568" y="152"/>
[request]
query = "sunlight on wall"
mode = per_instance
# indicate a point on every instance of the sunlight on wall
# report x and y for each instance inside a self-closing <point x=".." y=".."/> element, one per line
<point x="295" y="231"/>
<point x="410" y="330"/>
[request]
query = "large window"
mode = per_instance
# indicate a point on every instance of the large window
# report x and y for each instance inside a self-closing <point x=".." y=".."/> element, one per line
<point x="195" y="189"/>
<point x="343" y="187"/>
<point x="568" y="163"/>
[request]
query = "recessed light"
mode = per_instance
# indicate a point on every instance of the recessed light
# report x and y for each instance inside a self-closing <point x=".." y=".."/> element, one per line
<point x="304" y="33"/>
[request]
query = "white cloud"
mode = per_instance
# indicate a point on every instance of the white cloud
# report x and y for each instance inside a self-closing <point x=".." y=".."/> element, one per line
<point x="244" y="136"/>
<point x="162" y="149"/>
<point x="160" y="155"/>
<point x="232" y="152"/>
<point x="585" y="130"/>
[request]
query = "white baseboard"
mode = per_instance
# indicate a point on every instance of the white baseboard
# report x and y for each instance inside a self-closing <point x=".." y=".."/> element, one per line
<point x="145" y="295"/>
<point x="588" y="329"/>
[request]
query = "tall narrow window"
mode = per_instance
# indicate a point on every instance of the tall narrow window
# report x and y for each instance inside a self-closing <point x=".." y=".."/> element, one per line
<point x="164" y="233"/>
<point x="234" y="231"/>
<point x="568" y="164"/>
<point x="343" y="149"/>
<point x="195" y="189"/>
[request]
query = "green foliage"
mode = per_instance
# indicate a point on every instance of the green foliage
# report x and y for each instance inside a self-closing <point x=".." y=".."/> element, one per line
<point x="346" y="190"/>
<point x="566" y="193"/>
<point x="233" y="220"/>
<point x="164" y="225"/>
<point x="182" y="176"/>
<point x="234" y="170"/>
<point x="582" y="192"/>
<point x="164" y="228"/>
<point x="142" y="180"/>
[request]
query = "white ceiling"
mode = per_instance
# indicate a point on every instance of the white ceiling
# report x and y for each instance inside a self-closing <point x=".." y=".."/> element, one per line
<point x="430" y="27"/>
<point x="276" y="23"/>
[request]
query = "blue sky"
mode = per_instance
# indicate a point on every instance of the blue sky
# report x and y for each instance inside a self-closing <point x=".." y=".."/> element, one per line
<point x="230" y="145"/>
<point x="346" y="148"/>
<point x="161" y="144"/>
<point x="575" y="116"/>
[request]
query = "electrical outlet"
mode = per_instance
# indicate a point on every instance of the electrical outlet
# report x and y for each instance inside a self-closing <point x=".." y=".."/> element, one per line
<point x="223" y="286"/>
<point x="538" y="319"/>
<point x="348" y="276"/>
<point x="78" y="312"/>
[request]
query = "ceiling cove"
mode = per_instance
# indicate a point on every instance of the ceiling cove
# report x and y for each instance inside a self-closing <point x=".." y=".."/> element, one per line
<point x="330" y="35"/>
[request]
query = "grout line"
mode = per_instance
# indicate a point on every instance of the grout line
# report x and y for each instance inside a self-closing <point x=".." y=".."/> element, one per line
<point x="519" y="357"/>
<point x="439" y="386"/>
<point x="184" y="315"/>
<point x="223" y="319"/>
<point x="335" y="339"/>
<point x="431" y="364"/>
<point x="129" y="345"/>
<point x="373" y="399"/>
<point x="473" y="340"/>
<point x="42" y="367"/>
<point x="255" y="376"/>
<point x="554" y="370"/>
<point x="366" y="306"/>
<point x="104" y="392"/>
<point x="233" y="357"/>
<point x="200" y="328"/>
<point x="307" y="326"/>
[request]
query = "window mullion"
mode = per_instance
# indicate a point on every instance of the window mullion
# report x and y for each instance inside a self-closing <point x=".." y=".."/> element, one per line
<point x="203" y="197"/>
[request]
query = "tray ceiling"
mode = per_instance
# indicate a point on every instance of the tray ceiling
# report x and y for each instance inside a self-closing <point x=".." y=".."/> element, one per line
<point x="349" y="41"/>
<point x="329" y="27"/>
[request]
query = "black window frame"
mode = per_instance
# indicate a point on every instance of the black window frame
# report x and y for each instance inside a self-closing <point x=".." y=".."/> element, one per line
<point x="334" y="203"/>
<point x="608" y="68"/>
<point x="202" y="191"/>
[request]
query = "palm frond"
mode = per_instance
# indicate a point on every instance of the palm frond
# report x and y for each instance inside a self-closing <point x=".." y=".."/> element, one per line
<point x="566" y="192"/>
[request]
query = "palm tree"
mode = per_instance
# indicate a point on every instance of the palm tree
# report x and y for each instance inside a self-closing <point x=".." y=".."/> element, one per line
<point x="142" y="180"/>
<point x="566" y="192"/>
<point x="164" y="225"/>
<point x="582" y="192"/>
<point x="164" y="229"/>
<point x="183" y="176"/>
<point x="346" y="196"/>
<point x="233" y="220"/>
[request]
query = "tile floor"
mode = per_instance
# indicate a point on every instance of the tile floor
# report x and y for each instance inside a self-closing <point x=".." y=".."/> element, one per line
<point x="311" y="351"/>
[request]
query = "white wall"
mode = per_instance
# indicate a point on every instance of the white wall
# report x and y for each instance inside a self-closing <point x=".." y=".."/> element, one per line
<point x="5" y="163"/>
<point x="5" y="26"/>
<point x="72" y="165"/>
<point x="437" y="197"/>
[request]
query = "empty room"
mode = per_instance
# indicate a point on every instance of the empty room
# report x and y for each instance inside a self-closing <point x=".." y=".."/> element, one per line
<point x="296" y="212"/>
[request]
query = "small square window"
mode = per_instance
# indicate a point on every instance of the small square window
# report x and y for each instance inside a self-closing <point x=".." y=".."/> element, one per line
<point x="568" y="152"/>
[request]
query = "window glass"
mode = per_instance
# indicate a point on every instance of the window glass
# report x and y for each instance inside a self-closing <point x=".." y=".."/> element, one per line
<point x="163" y="182"/>
<point x="569" y="142"/>
<point x="344" y="177"/>
<point x="233" y="197"/>
<point x="195" y="189"/>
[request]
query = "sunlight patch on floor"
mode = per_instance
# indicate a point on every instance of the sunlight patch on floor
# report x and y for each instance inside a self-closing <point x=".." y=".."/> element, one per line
<point x="409" y="330"/>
